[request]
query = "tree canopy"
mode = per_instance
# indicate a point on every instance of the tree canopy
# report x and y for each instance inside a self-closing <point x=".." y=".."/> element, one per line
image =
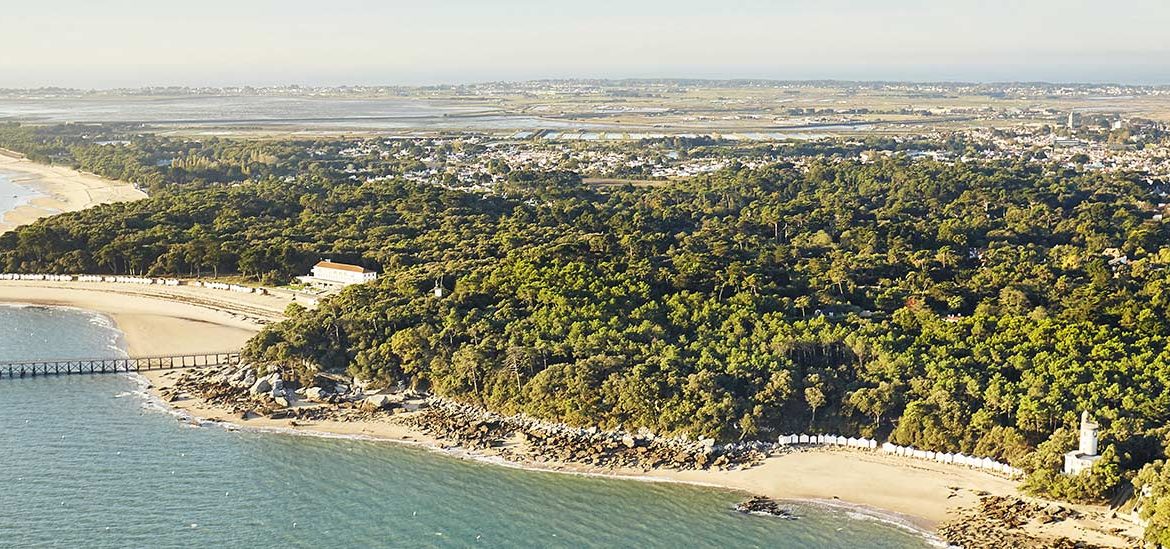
<point x="961" y="307"/>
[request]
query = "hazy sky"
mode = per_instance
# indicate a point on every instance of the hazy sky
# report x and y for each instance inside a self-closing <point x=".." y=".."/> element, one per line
<point x="106" y="43"/>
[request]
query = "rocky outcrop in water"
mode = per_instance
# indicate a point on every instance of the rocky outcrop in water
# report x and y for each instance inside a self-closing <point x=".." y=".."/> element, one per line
<point x="760" y="505"/>
<point x="246" y="393"/>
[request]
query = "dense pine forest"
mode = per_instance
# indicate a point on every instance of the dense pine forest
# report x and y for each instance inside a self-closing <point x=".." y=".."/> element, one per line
<point x="974" y="307"/>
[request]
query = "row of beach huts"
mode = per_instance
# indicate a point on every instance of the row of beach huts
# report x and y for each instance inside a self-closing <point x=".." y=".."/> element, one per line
<point x="140" y="280"/>
<point x="987" y="464"/>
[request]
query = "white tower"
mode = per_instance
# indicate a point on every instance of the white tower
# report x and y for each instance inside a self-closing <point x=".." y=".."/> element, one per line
<point x="1088" y="445"/>
<point x="1085" y="455"/>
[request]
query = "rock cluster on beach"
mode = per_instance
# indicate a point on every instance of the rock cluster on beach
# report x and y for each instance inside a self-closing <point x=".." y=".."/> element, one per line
<point x="999" y="521"/>
<point x="243" y="391"/>
<point x="531" y="440"/>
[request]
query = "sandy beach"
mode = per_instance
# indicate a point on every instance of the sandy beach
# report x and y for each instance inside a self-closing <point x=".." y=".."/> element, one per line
<point x="157" y="320"/>
<point x="65" y="190"/>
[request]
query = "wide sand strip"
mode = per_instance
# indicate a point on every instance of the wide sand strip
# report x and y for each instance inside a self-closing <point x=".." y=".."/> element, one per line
<point x="158" y="321"/>
<point x="166" y="320"/>
<point x="65" y="190"/>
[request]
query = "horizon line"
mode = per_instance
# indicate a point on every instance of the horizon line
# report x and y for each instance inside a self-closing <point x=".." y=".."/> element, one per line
<point x="598" y="80"/>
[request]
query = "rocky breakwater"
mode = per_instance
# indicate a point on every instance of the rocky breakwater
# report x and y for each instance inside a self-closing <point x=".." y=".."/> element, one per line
<point x="247" y="393"/>
<point x="526" y="439"/>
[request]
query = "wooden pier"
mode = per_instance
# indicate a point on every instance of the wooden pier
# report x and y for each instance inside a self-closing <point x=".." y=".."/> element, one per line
<point x="36" y="368"/>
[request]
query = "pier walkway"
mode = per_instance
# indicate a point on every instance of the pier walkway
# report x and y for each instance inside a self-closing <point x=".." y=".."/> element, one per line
<point x="75" y="366"/>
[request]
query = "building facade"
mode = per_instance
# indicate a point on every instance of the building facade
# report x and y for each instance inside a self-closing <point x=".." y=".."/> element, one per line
<point x="328" y="273"/>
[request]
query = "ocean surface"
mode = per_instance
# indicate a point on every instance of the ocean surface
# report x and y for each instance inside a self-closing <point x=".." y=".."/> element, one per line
<point x="91" y="461"/>
<point x="13" y="195"/>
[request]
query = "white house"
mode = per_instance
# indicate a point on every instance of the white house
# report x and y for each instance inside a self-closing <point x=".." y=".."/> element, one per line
<point x="328" y="273"/>
<point x="1086" y="453"/>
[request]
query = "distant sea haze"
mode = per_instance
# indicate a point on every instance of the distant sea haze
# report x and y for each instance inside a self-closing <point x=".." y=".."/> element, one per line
<point x="382" y="113"/>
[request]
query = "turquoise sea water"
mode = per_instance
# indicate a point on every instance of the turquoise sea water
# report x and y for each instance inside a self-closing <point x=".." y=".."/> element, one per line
<point x="90" y="461"/>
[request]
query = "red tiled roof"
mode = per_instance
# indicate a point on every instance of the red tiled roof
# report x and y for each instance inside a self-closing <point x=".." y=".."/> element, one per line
<point x="342" y="267"/>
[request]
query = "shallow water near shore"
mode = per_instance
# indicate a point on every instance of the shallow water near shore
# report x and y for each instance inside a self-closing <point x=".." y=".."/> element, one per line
<point x="90" y="461"/>
<point x="13" y="195"/>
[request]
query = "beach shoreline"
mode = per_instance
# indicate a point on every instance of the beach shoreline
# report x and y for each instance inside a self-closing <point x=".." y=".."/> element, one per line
<point x="914" y="494"/>
<point x="62" y="190"/>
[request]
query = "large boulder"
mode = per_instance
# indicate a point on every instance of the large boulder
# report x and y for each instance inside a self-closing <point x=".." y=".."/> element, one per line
<point x="240" y="376"/>
<point x="261" y="386"/>
<point x="415" y="405"/>
<point x="378" y="402"/>
<point x="316" y="394"/>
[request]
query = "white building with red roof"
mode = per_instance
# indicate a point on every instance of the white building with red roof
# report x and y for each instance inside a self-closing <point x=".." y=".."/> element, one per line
<point x="327" y="273"/>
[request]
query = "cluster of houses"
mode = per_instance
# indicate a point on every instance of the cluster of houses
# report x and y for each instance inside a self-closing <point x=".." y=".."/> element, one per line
<point x="1143" y="152"/>
<point x="827" y="440"/>
<point x="904" y="451"/>
<point x="477" y="162"/>
<point x="228" y="287"/>
<point x="326" y="274"/>
<point x="957" y="459"/>
<point x="139" y="280"/>
<point x="126" y="280"/>
<point x="50" y="278"/>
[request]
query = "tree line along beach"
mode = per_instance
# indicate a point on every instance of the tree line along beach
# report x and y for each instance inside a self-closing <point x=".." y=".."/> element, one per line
<point x="165" y="320"/>
<point x="57" y="189"/>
